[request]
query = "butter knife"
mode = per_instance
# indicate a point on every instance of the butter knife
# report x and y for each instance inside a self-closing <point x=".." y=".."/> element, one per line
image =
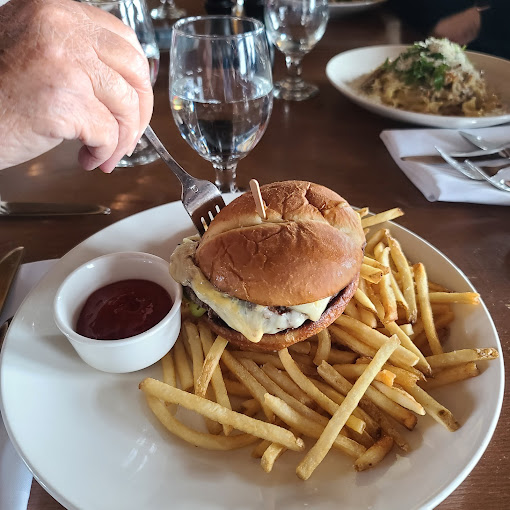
<point x="9" y="266"/>
<point x="49" y="209"/>
<point x="434" y="159"/>
<point x="3" y="330"/>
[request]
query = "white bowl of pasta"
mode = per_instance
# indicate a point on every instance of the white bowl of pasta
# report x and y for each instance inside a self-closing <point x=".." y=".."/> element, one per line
<point x="339" y="8"/>
<point x="349" y="70"/>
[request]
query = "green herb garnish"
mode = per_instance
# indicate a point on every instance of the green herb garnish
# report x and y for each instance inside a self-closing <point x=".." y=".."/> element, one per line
<point x="420" y="66"/>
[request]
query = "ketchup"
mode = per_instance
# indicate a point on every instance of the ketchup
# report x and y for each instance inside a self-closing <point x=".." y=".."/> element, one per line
<point x="123" y="309"/>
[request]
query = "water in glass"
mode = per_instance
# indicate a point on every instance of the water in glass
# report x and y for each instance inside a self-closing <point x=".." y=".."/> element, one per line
<point x="220" y="89"/>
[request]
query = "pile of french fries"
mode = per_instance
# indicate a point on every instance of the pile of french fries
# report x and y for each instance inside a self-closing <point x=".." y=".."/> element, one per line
<point x="354" y="387"/>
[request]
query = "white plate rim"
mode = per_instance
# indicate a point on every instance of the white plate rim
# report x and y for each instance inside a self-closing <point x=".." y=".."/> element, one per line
<point x="430" y="504"/>
<point x="355" y="5"/>
<point x="424" y="119"/>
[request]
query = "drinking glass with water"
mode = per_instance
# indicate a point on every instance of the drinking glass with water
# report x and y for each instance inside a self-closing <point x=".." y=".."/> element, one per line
<point x="221" y="89"/>
<point x="295" y="27"/>
<point x="135" y="14"/>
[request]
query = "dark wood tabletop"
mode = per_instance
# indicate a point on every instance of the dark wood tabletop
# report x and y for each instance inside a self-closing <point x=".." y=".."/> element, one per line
<point x="326" y="139"/>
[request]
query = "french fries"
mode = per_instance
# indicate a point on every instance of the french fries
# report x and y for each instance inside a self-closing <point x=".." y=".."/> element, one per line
<point x="317" y="453"/>
<point x="374" y="454"/>
<point x="182" y="365"/>
<point x="214" y="411"/>
<point x="406" y="277"/>
<point x="389" y="215"/>
<point x="307" y="386"/>
<point x="354" y="387"/>
<point x="352" y="371"/>
<point x="217" y="381"/>
<point x="372" y="337"/>
<point x="466" y="298"/>
<point x="208" y="441"/>
<point x="451" y="375"/>
<point x="397" y="412"/>
<point x="310" y="428"/>
<point x="210" y="363"/>
<point x="425" y="309"/>
<point x="434" y="408"/>
<point x="449" y="359"/>
<point x="323" y="347"/>
<point x="253" y="386"/>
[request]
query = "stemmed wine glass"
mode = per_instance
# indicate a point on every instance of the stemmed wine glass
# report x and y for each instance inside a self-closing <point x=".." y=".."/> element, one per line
<point x="167" y="11"/>
<point x="295" y="27"/>
<point x="221" y="88"/>
<point x="134" y="13"/>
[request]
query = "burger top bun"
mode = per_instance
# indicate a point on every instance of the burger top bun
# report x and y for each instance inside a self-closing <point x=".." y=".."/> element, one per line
<point x="310" y="246"/>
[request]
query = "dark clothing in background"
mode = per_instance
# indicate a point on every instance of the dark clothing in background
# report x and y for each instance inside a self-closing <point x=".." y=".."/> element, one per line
<point x="494" y="37"/>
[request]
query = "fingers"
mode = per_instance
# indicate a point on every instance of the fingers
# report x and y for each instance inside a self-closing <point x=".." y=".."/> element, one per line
<point x="461" y="28"/>
<point x="121" y="100"/>
<point x="118" y="48"/>
<point x="113" y="24"/>
<point x="117" y="54"/>
<point x="99" y="132"/>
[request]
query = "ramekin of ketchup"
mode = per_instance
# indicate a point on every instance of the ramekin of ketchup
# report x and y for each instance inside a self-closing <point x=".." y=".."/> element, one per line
<point x="121" y="311"/>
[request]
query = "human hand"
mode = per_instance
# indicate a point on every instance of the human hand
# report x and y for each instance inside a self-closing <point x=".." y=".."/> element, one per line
<point x="461" y="28"/>
<point x="70" y="71"/>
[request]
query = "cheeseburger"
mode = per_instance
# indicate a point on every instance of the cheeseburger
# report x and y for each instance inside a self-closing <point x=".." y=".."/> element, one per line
<point x="269" y="283"/>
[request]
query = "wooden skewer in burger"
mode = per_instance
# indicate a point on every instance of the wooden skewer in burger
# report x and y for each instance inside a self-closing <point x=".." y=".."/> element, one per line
<point x="268" y="283"/>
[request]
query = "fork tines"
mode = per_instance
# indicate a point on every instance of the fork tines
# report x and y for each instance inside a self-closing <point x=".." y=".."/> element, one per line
<point x="203" y="216"/>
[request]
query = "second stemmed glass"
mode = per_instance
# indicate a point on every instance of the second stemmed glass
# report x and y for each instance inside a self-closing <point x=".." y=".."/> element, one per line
<point x="295" y="27"/>
<point x="134" y="13"/>
<point x="167" y="11"/>
<point x="221" y="89"/>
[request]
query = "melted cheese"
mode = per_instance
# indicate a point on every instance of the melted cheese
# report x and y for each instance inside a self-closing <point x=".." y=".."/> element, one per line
<point x="251" y="320"/>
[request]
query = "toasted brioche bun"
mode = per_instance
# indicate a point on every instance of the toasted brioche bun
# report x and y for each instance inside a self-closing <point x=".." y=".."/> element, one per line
<point x="310" y="246"/>
<point x="290" y="336"/>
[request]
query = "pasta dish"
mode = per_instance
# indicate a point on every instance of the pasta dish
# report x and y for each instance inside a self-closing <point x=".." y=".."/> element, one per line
<point x="434" y="76"/>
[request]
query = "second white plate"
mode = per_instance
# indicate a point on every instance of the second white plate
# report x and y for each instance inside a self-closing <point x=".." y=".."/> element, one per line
<point x="346" y="67"/>
<point x="346" y="7"/>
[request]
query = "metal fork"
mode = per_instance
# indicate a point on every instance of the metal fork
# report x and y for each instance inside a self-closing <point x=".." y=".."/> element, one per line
<point x="495" y="181"/>
<point x="481" y="143"/>
<point x="473" y="172"/>
<point x="201" y="199"/>
<point x="490" y="171"/>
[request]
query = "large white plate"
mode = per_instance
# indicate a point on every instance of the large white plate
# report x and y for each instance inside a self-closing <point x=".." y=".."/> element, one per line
<point x="345" y="7"/>
<point x="350" y="65"/>
<point x="90" y="440"/>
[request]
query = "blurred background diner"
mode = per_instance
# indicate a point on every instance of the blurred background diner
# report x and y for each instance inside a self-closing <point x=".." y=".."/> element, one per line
<point x="481" y="26"/>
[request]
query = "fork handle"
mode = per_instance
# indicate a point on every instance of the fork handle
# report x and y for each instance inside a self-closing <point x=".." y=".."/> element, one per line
<point x="187" y="181"/>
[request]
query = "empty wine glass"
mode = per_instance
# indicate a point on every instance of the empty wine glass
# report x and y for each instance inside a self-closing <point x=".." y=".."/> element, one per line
<point x="220" y="89"/>
<point x="134" y="13"/>
<point x="167" y="11"/>
<point x="295" y="27"/>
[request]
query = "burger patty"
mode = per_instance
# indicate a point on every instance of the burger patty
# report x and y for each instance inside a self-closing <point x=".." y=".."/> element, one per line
<point x="278" y="341"/>
<point x="252" y="320"/>
<point x="191" y="296"/>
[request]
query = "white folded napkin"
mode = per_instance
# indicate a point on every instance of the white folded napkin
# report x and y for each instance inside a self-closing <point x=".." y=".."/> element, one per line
<point x="441" y="182"/>
<point x="15" y="478"/>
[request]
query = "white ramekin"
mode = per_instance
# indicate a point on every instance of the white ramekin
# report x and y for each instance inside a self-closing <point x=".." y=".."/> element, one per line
<point x="128" y="354"/>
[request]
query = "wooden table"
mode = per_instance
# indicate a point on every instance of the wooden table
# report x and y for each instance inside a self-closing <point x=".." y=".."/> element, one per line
<point x="326" y="139"/>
